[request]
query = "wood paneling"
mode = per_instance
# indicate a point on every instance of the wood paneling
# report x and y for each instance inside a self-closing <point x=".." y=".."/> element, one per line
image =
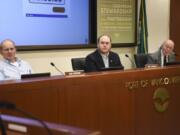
<point x="101" y="101"/>
<point x="174" y="25"/>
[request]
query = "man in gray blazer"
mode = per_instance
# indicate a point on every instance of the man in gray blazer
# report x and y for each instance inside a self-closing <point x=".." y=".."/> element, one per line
<point x="163" y="55"/>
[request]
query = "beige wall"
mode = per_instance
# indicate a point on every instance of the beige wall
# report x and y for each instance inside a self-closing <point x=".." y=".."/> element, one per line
<point x="158" y="24"/>
<point x="40" y="60"/>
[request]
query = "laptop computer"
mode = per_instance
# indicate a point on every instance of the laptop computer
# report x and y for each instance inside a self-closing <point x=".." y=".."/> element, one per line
<point x="172" y="63"/>
<point x="111" y="68"/>
<point x="34" y="75"/>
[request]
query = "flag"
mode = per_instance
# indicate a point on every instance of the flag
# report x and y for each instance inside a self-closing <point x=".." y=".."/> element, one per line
<point x="143" y="29"/>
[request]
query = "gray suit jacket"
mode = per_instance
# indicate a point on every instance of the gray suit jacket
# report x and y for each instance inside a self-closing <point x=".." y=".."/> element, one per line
<point x="155" y="58"/>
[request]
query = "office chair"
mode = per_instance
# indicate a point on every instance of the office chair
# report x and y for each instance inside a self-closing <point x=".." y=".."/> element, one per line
<point x="78" y="63"/>
<point x="140" y="60"/>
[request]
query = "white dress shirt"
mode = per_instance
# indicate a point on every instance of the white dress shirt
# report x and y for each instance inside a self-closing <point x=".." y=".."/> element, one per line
<point x="105" y="58"/>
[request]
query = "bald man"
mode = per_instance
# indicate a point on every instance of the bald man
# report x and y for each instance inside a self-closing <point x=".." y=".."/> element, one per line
<point x="11" y="67"/>
<point x="163" y="55"/>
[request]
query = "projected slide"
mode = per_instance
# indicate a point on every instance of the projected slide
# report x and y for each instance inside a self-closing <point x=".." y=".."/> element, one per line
<point x="46" y="8"/>
<point x="45" y="22"/>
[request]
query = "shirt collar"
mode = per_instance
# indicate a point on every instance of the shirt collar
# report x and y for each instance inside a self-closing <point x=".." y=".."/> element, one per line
<point x="105" y="55"/>
<point x="9" y="62"/>
<point x="162" y="54"/>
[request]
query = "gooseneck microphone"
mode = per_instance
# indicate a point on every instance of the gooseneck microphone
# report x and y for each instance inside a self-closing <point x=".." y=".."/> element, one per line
<point x="52" y="64"/>
<point x="11" y="106"/>
<point x="132" y="62"/>
<point x="5" y="105"/>
<point x="2" y="127"/>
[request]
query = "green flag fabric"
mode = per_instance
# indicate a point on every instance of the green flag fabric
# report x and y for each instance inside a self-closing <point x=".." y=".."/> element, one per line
<point x="143" y="29"/>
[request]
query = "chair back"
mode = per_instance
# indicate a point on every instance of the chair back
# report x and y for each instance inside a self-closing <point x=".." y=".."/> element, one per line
<point x="141" y="60"/>
<point x="78" y="63"/>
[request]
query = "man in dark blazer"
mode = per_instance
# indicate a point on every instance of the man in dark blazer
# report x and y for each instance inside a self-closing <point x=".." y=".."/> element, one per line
<point x="102" y="57"/>
<point x="163" y="55"/>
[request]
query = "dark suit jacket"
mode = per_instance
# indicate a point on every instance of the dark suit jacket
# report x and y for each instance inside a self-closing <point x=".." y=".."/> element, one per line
<point x="94" y="61"/>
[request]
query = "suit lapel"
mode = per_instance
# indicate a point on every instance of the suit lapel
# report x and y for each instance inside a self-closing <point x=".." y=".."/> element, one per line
<point x="99" y="59"/>
<point x="110" y="59"/>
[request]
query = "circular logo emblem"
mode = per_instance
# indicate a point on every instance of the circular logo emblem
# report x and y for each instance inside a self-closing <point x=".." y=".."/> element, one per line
<point x="161" y="99"/>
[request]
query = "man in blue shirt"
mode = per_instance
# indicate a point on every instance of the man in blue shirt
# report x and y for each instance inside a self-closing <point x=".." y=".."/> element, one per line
<point x="11" y="67"/>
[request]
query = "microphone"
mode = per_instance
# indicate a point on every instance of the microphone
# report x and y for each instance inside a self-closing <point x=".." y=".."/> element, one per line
<point x="11" y="106"/>
<point x="132" y="62"/>
<point x="7" y="105"/>
<point x="2" y="127"/>
<point x="52" y="64"/>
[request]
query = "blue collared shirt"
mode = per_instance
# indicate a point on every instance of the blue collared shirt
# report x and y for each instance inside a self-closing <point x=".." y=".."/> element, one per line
<point x="11" y="71"/>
